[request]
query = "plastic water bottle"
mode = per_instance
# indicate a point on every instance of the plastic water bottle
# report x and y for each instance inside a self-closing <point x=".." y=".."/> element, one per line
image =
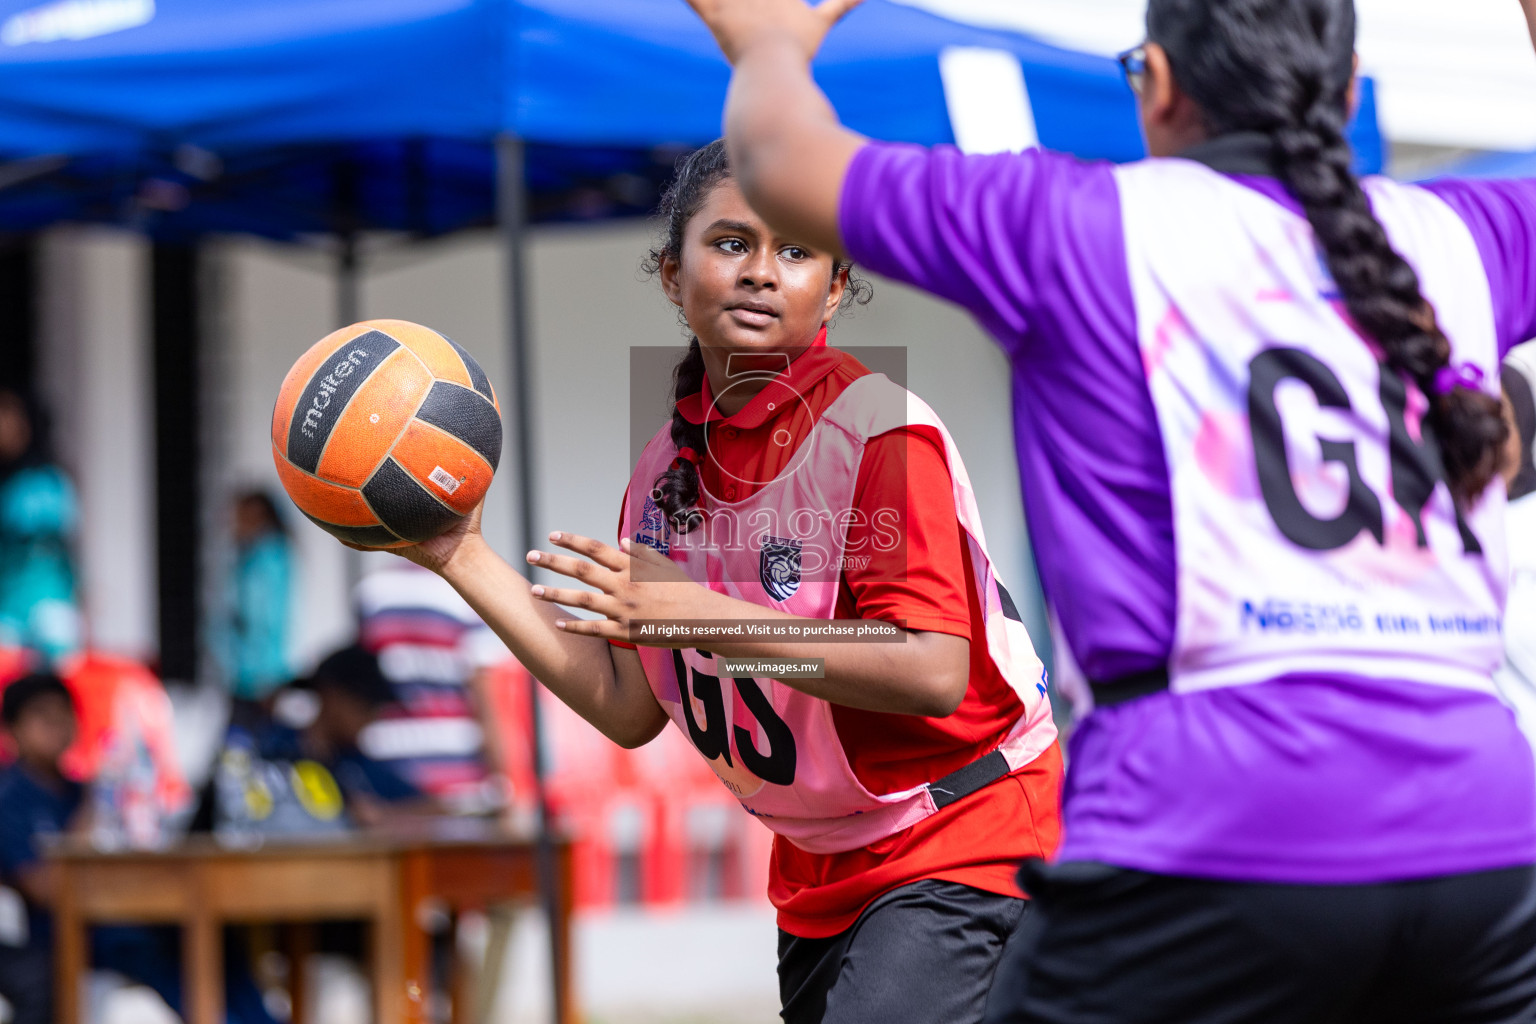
<point x="107" y="798"/>
<point x="232" y="781"/>
<point x="143" y="820"/>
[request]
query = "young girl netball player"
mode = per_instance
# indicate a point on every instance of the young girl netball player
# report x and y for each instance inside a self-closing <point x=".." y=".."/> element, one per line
<point x="1516" y="677"/>
<point x="905" y="782"/>
<point x="1258" y="420"/>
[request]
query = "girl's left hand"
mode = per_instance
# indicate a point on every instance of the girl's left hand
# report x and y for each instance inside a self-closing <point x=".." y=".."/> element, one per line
<point x="636" y="583"/>
<point x="738" y="23"/>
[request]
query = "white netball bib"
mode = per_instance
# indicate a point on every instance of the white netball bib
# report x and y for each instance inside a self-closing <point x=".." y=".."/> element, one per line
<point x="777" y="749"/>
<point x="1313" y="531"/>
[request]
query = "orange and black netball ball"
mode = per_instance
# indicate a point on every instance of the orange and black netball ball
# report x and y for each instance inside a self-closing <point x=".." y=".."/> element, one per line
<point x="386" y="433"/>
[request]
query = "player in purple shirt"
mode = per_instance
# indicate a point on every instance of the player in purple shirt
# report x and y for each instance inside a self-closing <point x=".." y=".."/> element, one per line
<point x="1257" y="417"/>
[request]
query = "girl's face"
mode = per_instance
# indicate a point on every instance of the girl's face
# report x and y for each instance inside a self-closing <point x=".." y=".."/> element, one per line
<point x="745" y="289"/>
<point x="15" y="431"/>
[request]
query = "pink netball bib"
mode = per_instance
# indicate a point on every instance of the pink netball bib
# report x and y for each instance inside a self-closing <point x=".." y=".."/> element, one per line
<point x="776" y="749"/>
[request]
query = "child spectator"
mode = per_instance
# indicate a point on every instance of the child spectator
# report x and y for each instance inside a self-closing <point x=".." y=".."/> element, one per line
<point x="351" y="691"/>
<point x="35" y="798"/>
<point x="38" y="800"/>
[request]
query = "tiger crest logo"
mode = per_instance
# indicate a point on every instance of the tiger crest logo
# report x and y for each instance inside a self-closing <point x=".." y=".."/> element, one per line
<point x="778" y="567"/>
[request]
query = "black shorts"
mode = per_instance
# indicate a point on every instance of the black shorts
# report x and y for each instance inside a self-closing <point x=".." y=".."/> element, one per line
<point x="924" y="953"/>
<point x="1108" y="945"/>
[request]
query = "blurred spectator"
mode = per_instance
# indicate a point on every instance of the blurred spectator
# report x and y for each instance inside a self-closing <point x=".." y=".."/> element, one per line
<point x="118" y="701"/>
<point x="350" y="691"/>
<point x="253" y="634"/>
<point x="433" y="649"/>
<point x="34" y="797"/>
<point x="302" y="772"/>
<point x="37" y="799"/>
<point x="37" y="518"/>
<point x="1516" y="678"/>
<point x="118" y="704"/>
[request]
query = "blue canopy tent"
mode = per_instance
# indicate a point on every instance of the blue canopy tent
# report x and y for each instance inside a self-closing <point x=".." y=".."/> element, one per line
<point x="286" y="117"/>
<point x="298" y="118"/>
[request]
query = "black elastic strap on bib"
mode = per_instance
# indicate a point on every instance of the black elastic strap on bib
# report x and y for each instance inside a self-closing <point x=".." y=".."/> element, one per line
<point x="1131" y="687"/>
<point x="962" y="782"/>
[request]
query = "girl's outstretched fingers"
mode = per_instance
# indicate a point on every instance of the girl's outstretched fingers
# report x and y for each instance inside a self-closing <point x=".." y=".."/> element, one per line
<point x="604" y="628"/>
<point x="603" y="554"/>
<point x="576" y="568"/>
<point x="647" y="565"/>
<point x="587" y="599"/>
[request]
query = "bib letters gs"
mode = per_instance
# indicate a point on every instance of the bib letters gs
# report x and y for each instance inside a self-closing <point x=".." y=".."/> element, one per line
<point x="775" y="748"/>
<point x="1314" y="530"/>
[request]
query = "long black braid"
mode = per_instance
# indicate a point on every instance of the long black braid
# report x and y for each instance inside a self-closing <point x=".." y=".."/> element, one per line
<point x="1283" y="68"/>
<point x="677" y="490"/>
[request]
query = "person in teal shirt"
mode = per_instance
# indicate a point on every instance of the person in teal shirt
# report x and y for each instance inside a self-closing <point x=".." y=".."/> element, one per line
<point x="255" y="629"/>
<point x="38" y="514"/>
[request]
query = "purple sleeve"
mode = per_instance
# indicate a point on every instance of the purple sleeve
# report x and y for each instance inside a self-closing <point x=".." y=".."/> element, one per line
<point x="1008" y="236"/>
<point x="1502" y="218"/>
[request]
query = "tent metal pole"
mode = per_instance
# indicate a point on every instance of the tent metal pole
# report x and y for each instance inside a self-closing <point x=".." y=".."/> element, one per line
<point x="348" y="312"/>
<point x="512" y="216"/>
<point x="348" y="302"/>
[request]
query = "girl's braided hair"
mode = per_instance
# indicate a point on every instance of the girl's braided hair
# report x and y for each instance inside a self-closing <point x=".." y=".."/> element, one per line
<point x="1283" y="68"/>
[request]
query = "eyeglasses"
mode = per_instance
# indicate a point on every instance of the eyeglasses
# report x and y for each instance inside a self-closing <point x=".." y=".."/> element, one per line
<point x="1134" y="63"/>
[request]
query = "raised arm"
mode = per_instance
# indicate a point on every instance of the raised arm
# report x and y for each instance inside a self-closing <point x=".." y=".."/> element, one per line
<point x="788" y="150"/>
<point x="1529" y="6"/>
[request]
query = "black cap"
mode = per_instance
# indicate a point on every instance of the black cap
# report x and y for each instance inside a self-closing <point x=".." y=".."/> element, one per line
<point x="353" y="671"/>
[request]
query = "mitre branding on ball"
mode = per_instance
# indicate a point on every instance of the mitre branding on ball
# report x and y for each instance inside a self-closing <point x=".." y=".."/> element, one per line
<point x="386" y="433"/>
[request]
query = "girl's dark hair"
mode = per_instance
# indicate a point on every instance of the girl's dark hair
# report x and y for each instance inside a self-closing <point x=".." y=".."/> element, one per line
<point x="677" y="490"/>
<point x="32" y="687"/>
<point x="39" y="449"/>
<point x="1283" y="68"/>
<point x="262" y="502"/>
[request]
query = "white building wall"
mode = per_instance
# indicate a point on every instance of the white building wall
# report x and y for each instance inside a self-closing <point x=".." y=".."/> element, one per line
<point x="278" y="301"/>
<point x="95" y="375"/>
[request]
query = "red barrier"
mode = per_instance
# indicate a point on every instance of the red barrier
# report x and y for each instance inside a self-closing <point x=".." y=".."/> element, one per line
<point x="653" y="823"/>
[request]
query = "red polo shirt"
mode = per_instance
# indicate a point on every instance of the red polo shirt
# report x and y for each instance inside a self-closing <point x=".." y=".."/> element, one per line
<point x="926" y="582"/>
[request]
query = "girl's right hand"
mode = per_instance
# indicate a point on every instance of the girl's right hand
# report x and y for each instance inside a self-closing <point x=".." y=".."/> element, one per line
<point x="437" y="553"/>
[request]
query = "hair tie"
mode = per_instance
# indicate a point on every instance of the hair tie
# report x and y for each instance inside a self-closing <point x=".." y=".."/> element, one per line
<point x="1453" y="376"/>
<point x="689" y="455"/>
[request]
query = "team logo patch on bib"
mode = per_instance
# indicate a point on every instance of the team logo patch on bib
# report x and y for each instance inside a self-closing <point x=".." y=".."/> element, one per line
<point x="778" y="566"/>
<point x="653" y="527"/>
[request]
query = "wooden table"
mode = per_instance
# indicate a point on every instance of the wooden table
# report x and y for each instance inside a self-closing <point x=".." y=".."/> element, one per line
<point x="391" y="880"/>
